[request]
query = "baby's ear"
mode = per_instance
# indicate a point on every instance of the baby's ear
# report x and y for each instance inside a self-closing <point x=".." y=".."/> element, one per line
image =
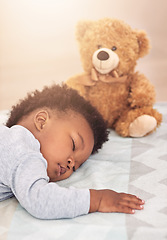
<point x="40" y="119"/>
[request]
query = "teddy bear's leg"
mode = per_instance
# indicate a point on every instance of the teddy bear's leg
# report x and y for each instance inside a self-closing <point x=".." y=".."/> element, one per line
<point x="142" y="125"/>
<point x="138" y="122"/>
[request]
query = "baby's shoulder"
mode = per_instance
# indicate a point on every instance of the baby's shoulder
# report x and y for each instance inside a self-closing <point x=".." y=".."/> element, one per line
<point x="19" y="137"/>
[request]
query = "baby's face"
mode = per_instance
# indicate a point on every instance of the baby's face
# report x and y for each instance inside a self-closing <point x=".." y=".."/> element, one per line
<point x="66" y="142"/>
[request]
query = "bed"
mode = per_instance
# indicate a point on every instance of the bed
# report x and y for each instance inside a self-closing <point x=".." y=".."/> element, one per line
<point x="134" y="165"/>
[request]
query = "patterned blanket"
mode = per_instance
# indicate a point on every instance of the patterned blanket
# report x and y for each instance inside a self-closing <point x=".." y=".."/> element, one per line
<point x="134" y="165"/>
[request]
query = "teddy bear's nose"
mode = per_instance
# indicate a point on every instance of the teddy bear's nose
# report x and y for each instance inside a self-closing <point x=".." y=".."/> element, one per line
<point x="102" y="55"/>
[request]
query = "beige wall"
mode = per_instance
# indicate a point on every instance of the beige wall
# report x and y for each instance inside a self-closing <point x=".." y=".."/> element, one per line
<point x="38" y="46"/>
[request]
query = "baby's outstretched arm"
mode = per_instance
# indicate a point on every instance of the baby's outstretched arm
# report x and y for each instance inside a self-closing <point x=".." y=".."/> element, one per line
<point x="111" y="201"/>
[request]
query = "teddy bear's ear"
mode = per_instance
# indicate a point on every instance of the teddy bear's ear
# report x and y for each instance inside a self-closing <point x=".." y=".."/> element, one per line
<point x="143" y="41"/>
<point x="81" y="28"/>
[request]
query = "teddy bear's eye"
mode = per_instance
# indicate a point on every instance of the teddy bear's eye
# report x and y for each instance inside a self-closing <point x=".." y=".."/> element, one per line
<point x="114" y="48"/>
<point x="99" y="46"/>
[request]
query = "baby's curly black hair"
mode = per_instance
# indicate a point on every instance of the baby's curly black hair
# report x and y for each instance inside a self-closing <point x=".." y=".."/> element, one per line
<point x="62" y="98"/>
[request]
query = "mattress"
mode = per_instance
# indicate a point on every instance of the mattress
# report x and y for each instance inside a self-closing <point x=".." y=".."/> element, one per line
<point x="132" y="165"/>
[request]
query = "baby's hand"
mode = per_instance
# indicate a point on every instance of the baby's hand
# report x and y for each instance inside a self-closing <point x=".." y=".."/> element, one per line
<point x="111" y="201"/>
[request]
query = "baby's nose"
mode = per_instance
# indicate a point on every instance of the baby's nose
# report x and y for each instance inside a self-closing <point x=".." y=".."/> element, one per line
<point x="70" y="163"/>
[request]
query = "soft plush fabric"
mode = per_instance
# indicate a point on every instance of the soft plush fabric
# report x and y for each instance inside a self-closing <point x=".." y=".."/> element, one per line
<point x="109" y="50"/>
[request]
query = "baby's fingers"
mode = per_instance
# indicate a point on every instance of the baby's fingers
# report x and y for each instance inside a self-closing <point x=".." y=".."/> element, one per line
<point x="126" y="209"/>
<point x="132" y="198"/>
<point x="132" y="205"/>
<point x="132" y="202"/>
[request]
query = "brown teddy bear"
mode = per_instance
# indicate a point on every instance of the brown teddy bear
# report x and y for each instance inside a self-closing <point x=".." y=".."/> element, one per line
<point x="109" y="49"/>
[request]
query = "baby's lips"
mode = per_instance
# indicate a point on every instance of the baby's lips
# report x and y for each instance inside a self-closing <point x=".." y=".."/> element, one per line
<point x="62" y="170"/>
<point x="59" y="170"/>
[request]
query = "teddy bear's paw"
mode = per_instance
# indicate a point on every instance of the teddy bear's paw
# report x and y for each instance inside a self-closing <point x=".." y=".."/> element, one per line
<point x="142" y="126"/>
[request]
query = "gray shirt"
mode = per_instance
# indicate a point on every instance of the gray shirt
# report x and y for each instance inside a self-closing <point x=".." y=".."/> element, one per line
<point x="23" y="174"/>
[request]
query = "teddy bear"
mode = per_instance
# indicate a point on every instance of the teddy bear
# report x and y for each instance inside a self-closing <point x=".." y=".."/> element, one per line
<point x="109" y="50"/>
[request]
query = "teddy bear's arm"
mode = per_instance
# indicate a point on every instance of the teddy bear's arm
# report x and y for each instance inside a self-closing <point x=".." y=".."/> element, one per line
<point x="142" y="92"/>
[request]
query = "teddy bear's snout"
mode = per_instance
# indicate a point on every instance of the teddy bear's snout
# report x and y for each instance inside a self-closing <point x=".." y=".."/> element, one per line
<point x="102" y="55"/>
<point x="105" y="60"/>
